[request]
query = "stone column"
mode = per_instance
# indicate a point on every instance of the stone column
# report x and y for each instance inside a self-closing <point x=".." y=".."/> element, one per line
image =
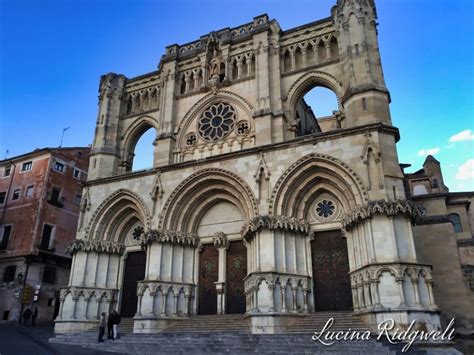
<point x="429" y="286"/>
<point x="239" y="68"/>
<point x="374" y="286"/>
<point x="305" y="300"/>
<point x="186" y="303"/>
<point x="414" y="282"/>
<point x="400" y="291"/>
<point x="222" y="244"/>
<point x="164" y="296"/>
<point x="74" y="301"/>
<point x="175" y="305"/>
<point x="139" y="309"/>
<point x="283" y="298"/>
<point x="152" y="295"/>
<point x="61" y="307"/>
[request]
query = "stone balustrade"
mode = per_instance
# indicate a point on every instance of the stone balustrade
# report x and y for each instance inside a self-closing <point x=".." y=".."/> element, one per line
<point x="277" y="293"/>
<point x="157" y="299"/>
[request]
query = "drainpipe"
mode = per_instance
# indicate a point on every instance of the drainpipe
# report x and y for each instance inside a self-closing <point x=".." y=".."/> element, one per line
<point x="7" y="196"/>
<point x="23" y="289"/>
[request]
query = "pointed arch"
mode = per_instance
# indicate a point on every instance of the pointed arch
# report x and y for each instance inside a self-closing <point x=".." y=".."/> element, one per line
<point x="115" y="213"/>
<point x="313" y="174"/>
<point x="204" y="102"/>
<point x="199" y="192"/>
<point x="308" y="81"/>
<point x="132" y="135"/>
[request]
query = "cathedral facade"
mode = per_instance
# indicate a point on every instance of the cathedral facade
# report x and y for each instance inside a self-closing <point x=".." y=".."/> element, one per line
<point x="251" y="206"/>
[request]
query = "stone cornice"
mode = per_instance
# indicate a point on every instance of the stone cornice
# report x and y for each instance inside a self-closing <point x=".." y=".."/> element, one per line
<point x="310" y="139"/>
<point x="170" y="237"/>
<point x="388" y="208"/>
<point x="290" y="224"/>
<point x="99" y="246"/>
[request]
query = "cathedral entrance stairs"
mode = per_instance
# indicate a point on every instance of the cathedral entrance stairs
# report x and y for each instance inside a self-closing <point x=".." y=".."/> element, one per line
<point x="211" y="323"/>
<point x="216" y="334"/>
<point x="316" y="322"/>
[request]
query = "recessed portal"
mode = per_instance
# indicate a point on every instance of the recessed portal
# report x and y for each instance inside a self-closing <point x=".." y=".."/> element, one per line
<point x="134" y="271"/>
<point x="331" y="282"/>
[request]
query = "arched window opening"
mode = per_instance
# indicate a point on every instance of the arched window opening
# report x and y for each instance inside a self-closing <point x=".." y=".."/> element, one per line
<point x="287" y="61"/>
<point x="317" y="112"/>
<point x="298" y="58"/>
<point x="334" y="48"/>
<point x="183" y="85"/>
<point x="322" y="55"/>
<point x="143" y="154"/>
<point x="252" y="65"/>
<point x="456" y="221"/>
<point x="191" y="82"/>
<point x="309" y="54"/>
<point x="235" y="75"/>
<point x="244" y="67"/>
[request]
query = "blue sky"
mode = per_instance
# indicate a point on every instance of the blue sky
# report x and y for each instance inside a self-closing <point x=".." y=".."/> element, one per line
<point x="54" y="51"/>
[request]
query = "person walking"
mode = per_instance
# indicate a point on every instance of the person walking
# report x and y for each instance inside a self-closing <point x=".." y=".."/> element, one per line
<point x="110" y="324"/>
<point x="116" y="322"/>
<point x="35" y="315"/>
<point x="26" y="317"/>
<point x="102" y="324"/>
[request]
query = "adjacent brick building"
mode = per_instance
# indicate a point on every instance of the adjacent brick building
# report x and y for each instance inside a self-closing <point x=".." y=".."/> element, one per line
<point x="40" y="197"/>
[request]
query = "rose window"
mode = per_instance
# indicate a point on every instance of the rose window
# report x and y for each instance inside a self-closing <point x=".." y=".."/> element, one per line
<point x="243" y="128"/>
<point x="217" y="122"/>
<point x="137" y="232"/>
<point x="191" y="140"/>
<point x="325" y="208"/>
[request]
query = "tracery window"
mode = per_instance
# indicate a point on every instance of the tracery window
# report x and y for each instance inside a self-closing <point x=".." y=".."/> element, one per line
<point x="243" y="128"/>
<point x="137" y="233"/>
<point x="217" y="121"/>
<point x="325" y="208"/>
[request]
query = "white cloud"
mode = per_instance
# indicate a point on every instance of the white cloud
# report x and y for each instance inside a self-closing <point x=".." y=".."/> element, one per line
<point x="466" y="171"/>
<point x="465" y="135"/>
<point x="431" y="151"/>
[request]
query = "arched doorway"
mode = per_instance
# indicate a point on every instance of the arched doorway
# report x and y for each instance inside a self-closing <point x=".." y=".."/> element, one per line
<point x="236" y="270"/>
<point x="208" y="276"/>
<point x="134" y="271"/>
<point x="330" y="262"/>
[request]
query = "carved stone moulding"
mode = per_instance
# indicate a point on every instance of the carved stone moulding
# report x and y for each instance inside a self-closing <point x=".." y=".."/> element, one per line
<point x="171" y="237"/>
<point x="220" y="240"/>
<point x="99" y="246"/>
<point x="285" y="223"/>
<point x="388" y="208"/>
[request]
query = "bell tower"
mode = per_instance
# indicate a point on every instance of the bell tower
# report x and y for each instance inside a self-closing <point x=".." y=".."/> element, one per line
<point x="105" y="155"/>
<point x="366" y="99"/>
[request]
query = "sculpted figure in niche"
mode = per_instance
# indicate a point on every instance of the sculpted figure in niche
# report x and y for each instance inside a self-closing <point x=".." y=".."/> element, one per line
<point x="215" y="65"/>
<point x="216" y="72"/>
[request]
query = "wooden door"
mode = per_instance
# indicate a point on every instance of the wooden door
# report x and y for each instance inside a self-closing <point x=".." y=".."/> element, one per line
<point x="208" y="274"/>
<point x="331" y="283"/>
<point x="134" y="271"/>
<point x="236" y="272"/>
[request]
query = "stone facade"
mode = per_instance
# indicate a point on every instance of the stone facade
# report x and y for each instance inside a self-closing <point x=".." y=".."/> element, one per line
<point x="40" y="194"/>
<point x="444" y="239"/>
<point x="234" y="163"/>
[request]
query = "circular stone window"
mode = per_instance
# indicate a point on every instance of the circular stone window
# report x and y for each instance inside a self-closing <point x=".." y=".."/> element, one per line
<point x="325" y="209"/>
<point x="216" y="122"/>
